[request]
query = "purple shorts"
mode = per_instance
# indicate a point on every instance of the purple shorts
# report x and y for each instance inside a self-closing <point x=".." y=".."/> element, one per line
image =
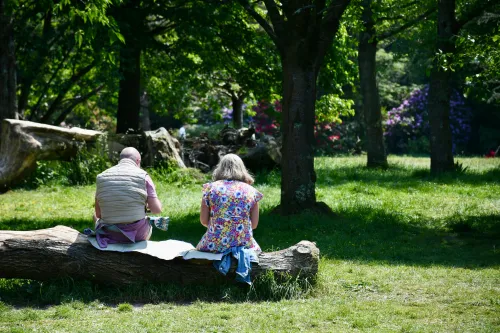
<point x="122" y="233"/>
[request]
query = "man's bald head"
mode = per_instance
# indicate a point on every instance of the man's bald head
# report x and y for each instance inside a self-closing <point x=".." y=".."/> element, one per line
<point x="131" y="153"/>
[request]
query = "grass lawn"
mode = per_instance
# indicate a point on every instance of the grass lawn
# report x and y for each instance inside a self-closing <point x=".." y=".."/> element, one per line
<point x="405" y="252"/>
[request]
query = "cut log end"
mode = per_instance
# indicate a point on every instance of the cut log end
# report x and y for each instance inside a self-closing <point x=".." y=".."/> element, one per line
<point x="64" y="252"/>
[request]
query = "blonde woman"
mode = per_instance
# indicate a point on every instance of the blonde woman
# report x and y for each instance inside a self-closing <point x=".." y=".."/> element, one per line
<point x="229" y="208"/>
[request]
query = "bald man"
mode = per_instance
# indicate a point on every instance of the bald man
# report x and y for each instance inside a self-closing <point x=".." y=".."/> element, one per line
<point x="123" y="193"/>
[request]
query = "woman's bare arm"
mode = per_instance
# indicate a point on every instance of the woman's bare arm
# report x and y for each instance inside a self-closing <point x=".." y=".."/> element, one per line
<point x="204" y="213"/>
<point x="254" y="215"/>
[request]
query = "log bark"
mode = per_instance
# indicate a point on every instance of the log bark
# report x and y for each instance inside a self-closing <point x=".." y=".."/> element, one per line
<point x="64" y="252"/>
<point x="24" y="142"/>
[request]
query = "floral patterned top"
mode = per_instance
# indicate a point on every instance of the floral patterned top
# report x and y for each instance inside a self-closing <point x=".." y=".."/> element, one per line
<point x="230" y="203"/>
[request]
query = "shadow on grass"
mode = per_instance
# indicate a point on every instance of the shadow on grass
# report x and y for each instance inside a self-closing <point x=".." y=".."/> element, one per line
<point x="364" y="234"/>
<point x="370" y="235"/>
<point x="396" y="176"/>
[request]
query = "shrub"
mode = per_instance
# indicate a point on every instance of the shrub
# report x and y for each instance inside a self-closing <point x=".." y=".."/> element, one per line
<point x="267" y="117"/>
<point x="80" y="170"/>
<point x="331" y="137"/>
<point x="407" y="126"/>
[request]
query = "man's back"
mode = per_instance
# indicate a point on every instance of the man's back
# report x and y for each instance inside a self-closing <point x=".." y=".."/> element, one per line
<point x="121" y="193"/>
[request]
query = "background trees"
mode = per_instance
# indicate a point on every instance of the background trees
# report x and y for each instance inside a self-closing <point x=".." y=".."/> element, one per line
<point x="110" y="64"/>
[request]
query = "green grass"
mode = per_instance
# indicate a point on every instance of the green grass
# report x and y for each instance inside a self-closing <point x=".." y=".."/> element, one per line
<point x="405" y="252"/>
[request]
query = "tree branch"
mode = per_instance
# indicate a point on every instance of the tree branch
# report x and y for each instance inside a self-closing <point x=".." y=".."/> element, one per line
<point x="276" y="18"/>
<point x="35" y="108"/>
<point x="263" y="23"/>
<point x="405" y="26"/>
<point x="69" y="84"/>
<point x="475" y="12"/>
<point x="77" y="101"/>
<point x="330" y="24"/>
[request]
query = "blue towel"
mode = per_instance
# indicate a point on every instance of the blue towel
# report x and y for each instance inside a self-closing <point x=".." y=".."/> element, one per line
<point x="245" y="258"/>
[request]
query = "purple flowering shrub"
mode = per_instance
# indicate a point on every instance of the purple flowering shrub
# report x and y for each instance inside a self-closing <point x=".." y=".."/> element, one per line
<point x="227" y="115"/>
<point x="407" y="126"/>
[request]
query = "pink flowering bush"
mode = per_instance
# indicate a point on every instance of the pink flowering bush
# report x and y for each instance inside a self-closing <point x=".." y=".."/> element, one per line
<point x="267" y="117"/>
<point x="330" y="137"/>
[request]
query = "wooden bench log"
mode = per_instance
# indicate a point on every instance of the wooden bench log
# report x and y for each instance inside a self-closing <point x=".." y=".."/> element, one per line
<point x="64" y="252"/>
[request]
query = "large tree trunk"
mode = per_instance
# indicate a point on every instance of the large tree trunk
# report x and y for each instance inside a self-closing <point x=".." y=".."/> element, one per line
<point x="298" y="177"/>
<point x="129" y="98"/>
<point x="303" y="32"/>
<point x="440" y="91"/>
<point x="23" y="143"/>
<point x="64" y="252"/>
<point x="130" y="20"/>
<point x="371" y="101"/>
<point x="237" y="102"/>
<point x="8" y="98"/>
<point x="39" y="57"/>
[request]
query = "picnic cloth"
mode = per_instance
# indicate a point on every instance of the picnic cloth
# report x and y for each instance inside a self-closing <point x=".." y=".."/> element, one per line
<point x="165" y="250"/>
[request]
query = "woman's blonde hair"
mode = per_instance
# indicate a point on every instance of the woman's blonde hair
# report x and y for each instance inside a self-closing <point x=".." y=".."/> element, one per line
<point x="231" y="167"/>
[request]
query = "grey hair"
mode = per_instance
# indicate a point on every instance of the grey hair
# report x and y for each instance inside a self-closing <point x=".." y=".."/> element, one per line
<point x="131" y="153"/>
<point x="231" y="167"/>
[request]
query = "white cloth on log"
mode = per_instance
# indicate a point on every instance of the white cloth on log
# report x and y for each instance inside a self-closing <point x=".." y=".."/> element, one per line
<point x="166" y="250"/>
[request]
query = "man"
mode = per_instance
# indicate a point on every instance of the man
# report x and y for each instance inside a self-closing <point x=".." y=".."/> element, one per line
<point x="123" y="194"/>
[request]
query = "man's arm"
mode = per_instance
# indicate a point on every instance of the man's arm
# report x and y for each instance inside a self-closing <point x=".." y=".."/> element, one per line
<point x="153" y="203"/>
<point x="97" y="209"/>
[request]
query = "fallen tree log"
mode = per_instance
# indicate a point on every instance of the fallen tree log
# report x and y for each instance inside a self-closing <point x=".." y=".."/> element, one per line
<point x="61" y="252"/>
<point x="24" y="142"/>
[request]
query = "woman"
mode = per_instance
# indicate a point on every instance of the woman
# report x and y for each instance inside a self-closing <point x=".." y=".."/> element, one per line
<point x="229" y="208"/>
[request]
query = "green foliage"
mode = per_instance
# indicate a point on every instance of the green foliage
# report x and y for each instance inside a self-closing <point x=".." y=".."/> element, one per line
<point x="168" y="172"/>
<point x="80" y="170"/>
<point x="212" y="131"/>
<point x="62" y="61"/>
<point x="125" y="307"/>
<point x="330" y="108"/>
<point x="418" y="146"/>
<point x="393" y="78"/>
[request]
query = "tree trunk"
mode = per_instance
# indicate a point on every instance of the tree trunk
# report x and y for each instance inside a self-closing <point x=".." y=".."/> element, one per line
<point x="297" y="164"/>
<point x="64" y="252"/>
<point x="38" y="60"/>
<point x="371" y="101"/>
<point x="440" y="91"/>
<point x="145" y="119"/>
<point x="130" y="20"/>
<point x="8" y="98"/>
<point x="237" y="102"/>
<point x="129" y="98"/>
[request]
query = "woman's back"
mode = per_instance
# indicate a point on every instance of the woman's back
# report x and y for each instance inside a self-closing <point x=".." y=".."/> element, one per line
<point x="230" y="203"/>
